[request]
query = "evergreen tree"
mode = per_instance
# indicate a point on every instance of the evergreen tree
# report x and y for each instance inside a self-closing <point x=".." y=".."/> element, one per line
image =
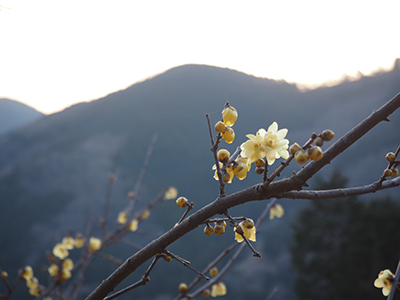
<point x="340" y="246"/>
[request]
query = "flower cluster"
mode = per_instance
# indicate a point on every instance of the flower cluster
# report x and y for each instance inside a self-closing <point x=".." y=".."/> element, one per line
<point x="270" y="144"/>
<point x="224" y="127"/>
<point x="391" y="170"/>
<point x="65" y="272"/>
<point x="61" y="250"/>
<point x="31" y="281"/>
<point x="219" y="228"/>
<point x="313" y="152"/>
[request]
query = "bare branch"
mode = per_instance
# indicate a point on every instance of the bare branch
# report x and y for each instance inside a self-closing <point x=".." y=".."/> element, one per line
<point x="253" y="193"/>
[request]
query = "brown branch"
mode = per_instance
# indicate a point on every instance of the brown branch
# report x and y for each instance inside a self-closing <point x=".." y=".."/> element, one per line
<point x="341" y="192"/>
<point x="253" y="193"/>
<point x="395" y="283"/>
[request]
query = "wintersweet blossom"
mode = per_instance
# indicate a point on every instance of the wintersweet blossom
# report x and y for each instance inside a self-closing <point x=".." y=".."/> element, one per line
<point x="133" y="225"/>
<point x="94" y="244"/>
<point x="60" y="251"/>
<point x="170" y="193"/>
<point x="68" y="242"/>
<point x="122" y="217"/>
<point x="384" y="281"/>
<point x="276" y="211"/>
<point x="218" y="289"/>
<point x="270" y="144"/>
<point x="249" y="233"/>
<point x="229" y="172"/>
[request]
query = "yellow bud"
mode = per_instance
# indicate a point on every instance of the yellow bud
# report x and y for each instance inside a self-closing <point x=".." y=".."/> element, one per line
<point x="131" y="195"/>
<point x="145" y="215"/>
<point x="319" y="141"/>
<point x="259" y="170"/>
<point x="208" y="230"/>
<point x="229" y="115"/>
<point x="315" y="153"/>
<point x="170" y="193"/>
<point x="122" y="217"/>
<point x="4" y="274"/>
<point x="301" y="156"/>
<point x="294" y="148"/>
<point x="53" y="270"/>
<point x="327" y="135"/>
<point x="214" y="271"/>
<point x="220" y="127"/>
<point x="183" y="287"/>
<point x="248" y="223"/>
<point x="395" y="172"/>
<point x="223" y="155"/>
<point x="391" y="156"/>
<point x="167" y="258"/>
<point x="206" y="293"/>
<point x="260" y="162"/>
<point x="133" y="225"/>
<point x="223" y="223"/>
<point x="27" y="273"/>
<point x="182" y="202"/>
<point x="219" y="229"/>
<point x="388" y="172"/>
<point x="228" y="135"/>
<point x="94" y="244"/>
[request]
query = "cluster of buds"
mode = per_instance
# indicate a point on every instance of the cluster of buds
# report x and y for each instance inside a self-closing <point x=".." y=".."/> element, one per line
<point x="61" y="272"/>
<point x="35" y="289"/>
<point x="313" y="152"/>
<point x="391" y="170"/>
<point x="224" y="127"/>
<point x="219" y="228"/>
<point x="238" y="167"/>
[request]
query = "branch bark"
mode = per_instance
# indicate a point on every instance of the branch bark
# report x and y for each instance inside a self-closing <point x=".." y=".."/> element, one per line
<point x="253" y="193"/>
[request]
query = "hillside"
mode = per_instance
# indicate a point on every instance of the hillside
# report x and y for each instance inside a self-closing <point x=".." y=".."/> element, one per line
<point x="53" y="174"/>
<point x="14" y="114"/>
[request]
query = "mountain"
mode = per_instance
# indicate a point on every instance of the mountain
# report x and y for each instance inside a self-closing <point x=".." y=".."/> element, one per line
<point x="54" y="173"/>
<point x="14" y="114"/>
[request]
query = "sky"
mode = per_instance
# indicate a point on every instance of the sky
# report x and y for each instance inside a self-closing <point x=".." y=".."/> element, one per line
<point x="57" y="53"/>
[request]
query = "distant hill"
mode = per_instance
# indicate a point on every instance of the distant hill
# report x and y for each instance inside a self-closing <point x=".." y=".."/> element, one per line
<point x="14" y="114"/>
<point x="53" y="174"/>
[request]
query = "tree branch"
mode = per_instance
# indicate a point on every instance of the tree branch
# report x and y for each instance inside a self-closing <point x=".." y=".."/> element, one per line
<point x="253" y="193"/>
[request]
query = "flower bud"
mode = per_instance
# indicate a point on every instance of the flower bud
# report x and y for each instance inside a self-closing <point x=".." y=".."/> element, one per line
<point x="182" y="202"/>
<point x="248" y="223"/>
<point x="183" y="287"/>
<point x="214" y="271"/>
<point x="327" y="135"/>
<point x="219" y="229"/>
<point x="301" y="156"/>
<point x="219" y="127"/>
<point x="223" y="155"/>
<point x="167" y="258"/>
<point x="260" y="170"/>
<point x="390" y="156"/>
<point x="4" y="274"/>
<point x="208" y="230"/>
<point x="387" y="172"/>
<point x="294" y="148"/>
<point x="395" y="172"/>
<point x="228" y="135"/>
<point x="260" y="162"/>
<point x="229" y="115"/>
<point x="315" y="153"/>
<point x="206" y="293"/>
<point x="319" y="141"/>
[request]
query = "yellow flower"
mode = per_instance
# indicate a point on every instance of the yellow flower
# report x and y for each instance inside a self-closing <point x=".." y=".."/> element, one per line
<point x="4" y="274"/>
<point x="94" y="244"/>
<point x="122" y="217"/>
<point x="133" y="225"/>
<point x="241" y="168"/>
<point x="276" y="211"/>
<point x="79" y="240"/>
<point x="68" y="264"/>
<point x="249" y="233"/>
<point x="53" y="270"/>
<point x="384" y="281"/>
<point x="170" y="193"/>
<point x="218" y="289"/>
<point x="27" y="273"/>
<point x="68" y="243"/>
<point x="229" y="115"/>
<point x="229" y="172"/>
<point x="65" y="274"/>
<point x="35" y="291"/>
<point x="270" y="144"/>
<point x="145" y="215"/>
<point x="32" y="282"/>
<point x="60" y="251"/>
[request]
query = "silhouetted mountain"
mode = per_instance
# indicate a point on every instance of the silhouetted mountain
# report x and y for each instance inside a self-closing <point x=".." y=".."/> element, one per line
<point x="54" y="173"/>
<point x="14" y="114"/>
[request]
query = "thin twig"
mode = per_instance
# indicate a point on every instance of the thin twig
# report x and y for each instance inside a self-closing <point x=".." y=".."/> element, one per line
<point x="214" y="147"/>
<point x="395" y="282"/>
<point x="189" y="207"/>
<point x="185" y="263"/>
<point x="141" y="282"/>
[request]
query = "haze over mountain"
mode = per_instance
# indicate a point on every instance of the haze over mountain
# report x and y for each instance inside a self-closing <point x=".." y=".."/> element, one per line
<point x="14" y="114"/>
<point x="54" y="173"/>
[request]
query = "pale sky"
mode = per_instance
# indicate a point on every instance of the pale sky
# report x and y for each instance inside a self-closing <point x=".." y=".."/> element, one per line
<point x="56" y="53"/>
